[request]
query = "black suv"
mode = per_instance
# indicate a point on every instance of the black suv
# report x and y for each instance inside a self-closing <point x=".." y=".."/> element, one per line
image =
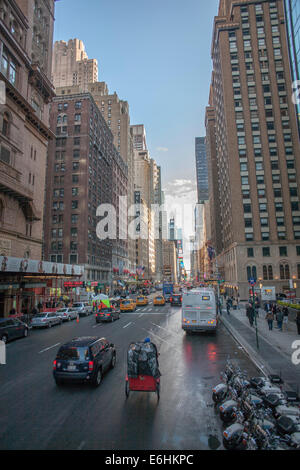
<point x="176" y="299"/>
<point x="84" y="359"/>
<point x="12" y="328"/>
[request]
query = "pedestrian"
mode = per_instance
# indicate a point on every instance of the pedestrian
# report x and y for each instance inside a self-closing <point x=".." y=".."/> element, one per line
<point x="298" y="322"/>
<point x="270" y="319"/>
<point x="238" y="301"/>
<point x="228" y="304"/>
<point x="12" y="311"/>
<point x="250" y="314"/>
<point x="40" y="306"/>
<point x="285" y="312"/>
<point x="34" y="311"/>
<point x="279" y="317"/>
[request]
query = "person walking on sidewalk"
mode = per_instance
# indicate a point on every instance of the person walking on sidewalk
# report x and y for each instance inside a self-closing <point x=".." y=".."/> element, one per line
<point x="298" y="322"/>
<point x="228" y="305"/>
<point x="250" y="314"/>
<point x="285" y="312"/>
<point x="270" y="319"/>
<point x="279" y="317"/>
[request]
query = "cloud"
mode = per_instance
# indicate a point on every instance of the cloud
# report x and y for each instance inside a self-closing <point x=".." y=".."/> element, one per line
<point x="162" y="149"/>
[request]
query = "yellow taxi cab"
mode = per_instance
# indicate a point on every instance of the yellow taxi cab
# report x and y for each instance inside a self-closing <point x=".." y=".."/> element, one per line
<point x="142" y="300"/>
<point x="127" y="305"/>
<point x="159" y="300"/>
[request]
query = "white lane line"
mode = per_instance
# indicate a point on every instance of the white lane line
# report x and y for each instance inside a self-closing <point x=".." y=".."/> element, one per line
<point x="47" y="349"/>
<point x="127" y="324"/>
<point x="162" y="328"/>
<point x="153" y="334"/>
<point x="141" y="315"/>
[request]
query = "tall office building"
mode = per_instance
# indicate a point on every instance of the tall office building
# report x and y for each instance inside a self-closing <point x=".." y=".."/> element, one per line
<point x="81" y="164"/>
<point x="201" y="169"/>
<point x="256" y="147"/>
<point x="71" y="65"/>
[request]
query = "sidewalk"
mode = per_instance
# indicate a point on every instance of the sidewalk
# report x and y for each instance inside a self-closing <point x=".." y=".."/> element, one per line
<point x="273" y="354"/>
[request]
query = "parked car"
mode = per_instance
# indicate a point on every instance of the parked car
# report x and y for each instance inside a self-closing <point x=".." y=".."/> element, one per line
<point x="176" y="299"/>
<point x="67" y="314"/>
<point x="45" y="320"/>
<point x="84" y="360"/>
<point x="12" y="328"/>
<point x="107" y="314"/>
<point x="82" y="308"/>
<point x="167" y="297"/>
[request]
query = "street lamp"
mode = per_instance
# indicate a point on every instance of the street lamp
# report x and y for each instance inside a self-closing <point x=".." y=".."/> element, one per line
<point x="252" y="283"/>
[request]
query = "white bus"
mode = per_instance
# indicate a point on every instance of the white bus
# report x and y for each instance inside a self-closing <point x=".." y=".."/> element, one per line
<point x="199" y="310"/>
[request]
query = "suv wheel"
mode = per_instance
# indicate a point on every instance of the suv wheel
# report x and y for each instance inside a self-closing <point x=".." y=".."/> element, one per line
<point x="98" y="378"/>
<point x="113" y="361"/>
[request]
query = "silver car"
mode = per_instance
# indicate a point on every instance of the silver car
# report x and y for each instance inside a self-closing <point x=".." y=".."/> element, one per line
<point x="45" y="320"/>
<point x="82" y="308"/>
<point x="67" y="314"/>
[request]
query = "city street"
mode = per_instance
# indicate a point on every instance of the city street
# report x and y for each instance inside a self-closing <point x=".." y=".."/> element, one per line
<point x="36" y="414"/>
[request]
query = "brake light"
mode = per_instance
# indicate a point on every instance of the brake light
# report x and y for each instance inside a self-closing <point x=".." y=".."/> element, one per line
<point x="225" y="434"/>
<point x="91" y="365"/>
<point x="54" y="364"/>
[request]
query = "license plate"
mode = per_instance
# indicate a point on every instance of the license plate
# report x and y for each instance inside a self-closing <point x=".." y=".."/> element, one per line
<point x="71" y="367"/>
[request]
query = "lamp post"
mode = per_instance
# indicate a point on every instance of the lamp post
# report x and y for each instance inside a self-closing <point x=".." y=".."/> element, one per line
<point x="252" y="283"/>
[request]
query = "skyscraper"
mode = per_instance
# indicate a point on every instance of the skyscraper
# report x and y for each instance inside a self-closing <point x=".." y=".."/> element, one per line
<point x="201" y="169"/>
<point x="256" y="147"/>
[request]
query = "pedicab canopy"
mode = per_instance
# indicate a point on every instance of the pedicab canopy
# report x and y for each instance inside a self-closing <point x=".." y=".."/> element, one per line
<point x="142" y="360"/>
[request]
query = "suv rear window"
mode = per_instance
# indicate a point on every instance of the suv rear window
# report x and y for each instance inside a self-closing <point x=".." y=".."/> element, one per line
<point x="73" y="353"/>
<point x="77" y="305"/>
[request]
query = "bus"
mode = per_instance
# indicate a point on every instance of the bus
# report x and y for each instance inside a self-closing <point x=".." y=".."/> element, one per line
<point x="199" y="310"/>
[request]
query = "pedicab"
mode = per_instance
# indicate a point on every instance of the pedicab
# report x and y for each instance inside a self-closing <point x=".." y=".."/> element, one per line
<point x="143" y="373"/>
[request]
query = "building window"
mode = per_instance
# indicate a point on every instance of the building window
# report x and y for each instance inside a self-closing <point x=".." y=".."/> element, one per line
<point x="284" y="271"/>
<point x="266" y="251"/>
<point x="283" y="251"/>
<point x="250" y="252"/>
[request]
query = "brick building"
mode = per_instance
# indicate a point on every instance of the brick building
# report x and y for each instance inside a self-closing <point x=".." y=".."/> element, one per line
<point x="254" y="148"/>
<point x="82" y="167"/>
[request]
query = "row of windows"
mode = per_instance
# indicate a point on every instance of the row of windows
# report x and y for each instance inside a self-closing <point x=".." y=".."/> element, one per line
<point x="268" y="274"/>
<point x="265" y="236"/>
<point x="266" y="251"/>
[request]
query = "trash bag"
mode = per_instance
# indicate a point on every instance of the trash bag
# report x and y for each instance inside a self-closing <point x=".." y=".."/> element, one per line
<point x="142" y="360"/>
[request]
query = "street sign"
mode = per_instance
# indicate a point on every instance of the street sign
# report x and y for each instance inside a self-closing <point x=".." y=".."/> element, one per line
<point x="252" y="281"/>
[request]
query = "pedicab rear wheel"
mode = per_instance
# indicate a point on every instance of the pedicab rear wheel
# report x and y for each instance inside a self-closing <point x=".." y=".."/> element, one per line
<point x="158" y="390"/>
<point x="127" y="388"/>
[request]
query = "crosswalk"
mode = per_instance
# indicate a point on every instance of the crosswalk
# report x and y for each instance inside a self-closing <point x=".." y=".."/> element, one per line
<point x="148" y="310"/>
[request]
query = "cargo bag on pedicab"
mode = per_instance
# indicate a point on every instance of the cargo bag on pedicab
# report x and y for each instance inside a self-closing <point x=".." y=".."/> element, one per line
<point x="142" y="360"/>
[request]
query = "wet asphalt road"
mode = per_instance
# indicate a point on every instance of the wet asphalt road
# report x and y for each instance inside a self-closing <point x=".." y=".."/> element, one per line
<point x="36" y="414"/>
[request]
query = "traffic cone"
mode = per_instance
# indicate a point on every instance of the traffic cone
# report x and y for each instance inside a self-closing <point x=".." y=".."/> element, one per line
<point x="77" y="319"/>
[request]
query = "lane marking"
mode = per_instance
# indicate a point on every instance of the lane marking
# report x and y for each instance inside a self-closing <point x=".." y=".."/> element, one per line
<point x="127" y="324"/>
<point x="168" y="331"/>
<point x="153" y="334"/>
<point x="47" y="349"/>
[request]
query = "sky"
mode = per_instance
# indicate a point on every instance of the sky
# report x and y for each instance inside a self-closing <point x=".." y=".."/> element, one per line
<point x="155" y="55"/>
